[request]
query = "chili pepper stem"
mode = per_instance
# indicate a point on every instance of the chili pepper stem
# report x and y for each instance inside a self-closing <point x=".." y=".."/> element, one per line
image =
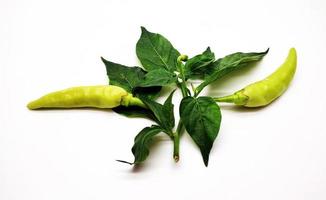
<point x="237" y="98"/>
<point x="129" y="100"/>
<point x="137" y="102"/>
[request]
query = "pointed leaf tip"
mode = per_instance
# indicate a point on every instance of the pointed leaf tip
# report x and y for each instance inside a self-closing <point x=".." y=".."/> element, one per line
<point x="103" y="59"/>
<point x="202" y="118"/>
<point x="125" y="162"/>
<point x="143" y="29"/>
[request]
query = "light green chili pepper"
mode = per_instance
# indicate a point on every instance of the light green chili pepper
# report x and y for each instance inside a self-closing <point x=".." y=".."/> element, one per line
<point x="263" y="92"/>
<point x="102" y="96"/>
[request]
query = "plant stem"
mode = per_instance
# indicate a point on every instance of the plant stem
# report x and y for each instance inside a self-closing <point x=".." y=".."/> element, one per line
<point x="185" y="92"/>
<point x="176" y="141"/>
<point x="183" y="88"/>
<point x="176" y="144"/>
<point x="182" y="84"/>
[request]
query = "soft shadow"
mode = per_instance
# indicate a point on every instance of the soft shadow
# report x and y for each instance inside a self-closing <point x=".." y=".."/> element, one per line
<point x="235" y="108"/>
<point x="213" y="88"/>
<point x="138" y="168"/>
<point x="154" y="148"/>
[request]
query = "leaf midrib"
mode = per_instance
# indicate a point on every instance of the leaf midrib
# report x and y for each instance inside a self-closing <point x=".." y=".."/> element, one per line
<point x="150" y="41"/>
<point x="201" y="118"/>
<point x="126" y="79"/>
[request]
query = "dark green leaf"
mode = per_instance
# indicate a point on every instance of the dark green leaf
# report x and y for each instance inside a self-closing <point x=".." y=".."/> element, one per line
<point x="123" y="76"/>
<point x="196" y="64"/>
<point x="201" y="118"/>
<point x="128" y="78"/>
<point x="156" y="52"/>
<point x="142" y="142"/>
<point x="163" y="113"/>
<point x="150" y="92"/>
<point x="168" y="105"/>
<point x="135" y="111"/>
<point x="229" y="63"/>
<point x="158" y="77"/>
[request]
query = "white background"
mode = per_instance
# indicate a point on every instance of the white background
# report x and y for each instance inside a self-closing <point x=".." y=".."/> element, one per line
<point x="277" y="152"/>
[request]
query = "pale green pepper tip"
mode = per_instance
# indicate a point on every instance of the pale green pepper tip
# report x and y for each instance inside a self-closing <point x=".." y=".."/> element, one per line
<point x="31" y="105"/>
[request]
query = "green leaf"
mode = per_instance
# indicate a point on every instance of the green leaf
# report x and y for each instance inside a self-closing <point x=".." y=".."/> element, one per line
<point x="158" y="77"/>
<point x="135" y="111"/>
<point x="155" y="52"/>
<point x="150" y="92"/>
<point x="229" y="63"/>
<point x="142" y="142"/>
<point x="163" y="113"/>
<point x="128" y="78"/>
<point x="123" y="76"/>
<point x="201" y="118"/>
<point x="168" y="105"/>
<point x="195" y="65"/>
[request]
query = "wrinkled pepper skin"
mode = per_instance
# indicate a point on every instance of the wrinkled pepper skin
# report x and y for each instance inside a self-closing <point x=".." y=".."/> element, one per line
<point x="101" y="96"/>
<point x="263" y="92"/>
